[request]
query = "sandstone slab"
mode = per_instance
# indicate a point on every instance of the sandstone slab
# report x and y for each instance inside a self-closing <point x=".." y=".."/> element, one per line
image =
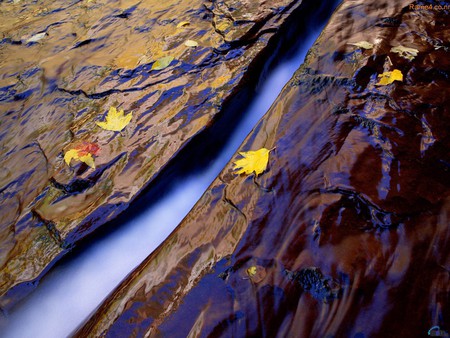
<point x="64" y="64"/>
<point x="346" y="234"/>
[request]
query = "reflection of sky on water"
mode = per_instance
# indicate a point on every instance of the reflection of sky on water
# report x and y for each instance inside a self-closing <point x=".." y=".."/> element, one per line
<point x="68" y="294"/>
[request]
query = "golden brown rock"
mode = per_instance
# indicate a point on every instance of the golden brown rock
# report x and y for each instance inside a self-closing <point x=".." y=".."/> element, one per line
<point x="64" y="64"/>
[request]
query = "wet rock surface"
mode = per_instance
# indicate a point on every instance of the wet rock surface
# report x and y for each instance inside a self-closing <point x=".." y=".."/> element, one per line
<point x="346" y="234"/>
<point x="64" y="64"/>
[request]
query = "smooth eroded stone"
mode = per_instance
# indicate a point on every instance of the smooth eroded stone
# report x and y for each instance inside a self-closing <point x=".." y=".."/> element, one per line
<point x="64" y="64"/>
<point x="346" y="234"/>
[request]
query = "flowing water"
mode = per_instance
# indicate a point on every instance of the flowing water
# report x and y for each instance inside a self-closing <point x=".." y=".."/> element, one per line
<point x="74" y="288"/>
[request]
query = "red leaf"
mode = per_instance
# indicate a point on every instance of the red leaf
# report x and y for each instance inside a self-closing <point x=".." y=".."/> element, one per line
<point x="87" y="148"/>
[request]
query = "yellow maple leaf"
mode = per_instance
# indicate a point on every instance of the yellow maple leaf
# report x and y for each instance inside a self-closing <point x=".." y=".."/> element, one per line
<point x="71" y="154"/>
<point x="88" y="159"/>
<point x="389" y="77"/>
<point x="115" y="120"/>
<point x="83" y="153"/>
<point x="252" y="161"/>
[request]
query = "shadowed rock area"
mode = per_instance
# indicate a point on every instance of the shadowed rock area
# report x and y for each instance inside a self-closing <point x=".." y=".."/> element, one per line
<point x="64" y="64"/>
<point x="346" y="233"/>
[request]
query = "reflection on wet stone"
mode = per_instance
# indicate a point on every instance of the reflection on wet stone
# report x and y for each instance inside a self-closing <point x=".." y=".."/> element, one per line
<point x="64" y="64"/>
<point x="312" y="280"/>
<point x="349" y="237"/>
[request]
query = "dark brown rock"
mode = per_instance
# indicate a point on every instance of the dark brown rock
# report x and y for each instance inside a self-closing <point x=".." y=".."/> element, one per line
<point x="350" y="223"/>
<point x="64" y="64"/>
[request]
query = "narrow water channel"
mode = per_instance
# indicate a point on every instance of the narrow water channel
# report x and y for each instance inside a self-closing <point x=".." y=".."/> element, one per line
<point x="75" y="287"/>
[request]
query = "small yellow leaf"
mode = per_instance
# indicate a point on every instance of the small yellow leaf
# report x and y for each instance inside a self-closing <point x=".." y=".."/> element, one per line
<point x="256" y="273"/>
<point x="69" y="155"/>
<point x="183" y="24"/>
<point x="83" y="152"/>
<point x="252" y="161"/>
<point x="222" y="25"/>
<point x="88" y="159"/>
<point x="115" y="120"/>
<point x="251" y="271"/>
<point x="162" y="63"/>
<point x="405" y="52"/>
<point x="389" y="77"/>
<point x="191" y="43"/>
<point x="362" y="44"/>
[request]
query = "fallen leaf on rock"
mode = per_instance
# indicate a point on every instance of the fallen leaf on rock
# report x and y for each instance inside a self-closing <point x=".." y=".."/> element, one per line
<point x="223" y="25"/>
<point x="389" y="77"/>
<point x="251" y="271"/>
<point x="36" y="37"/>
<point x="362" y="44"/>
<point x="88" y="148"/>
<point x="191" y="43"/>
<point x="115" y="120"/>
<point x="82" y="153"/>
<point x="183" y="24"/>
<point x="405" y="52"/>
<point x="162" y="63"/>
<point x="256" y="273"/>
<point x="252" y="161"/>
